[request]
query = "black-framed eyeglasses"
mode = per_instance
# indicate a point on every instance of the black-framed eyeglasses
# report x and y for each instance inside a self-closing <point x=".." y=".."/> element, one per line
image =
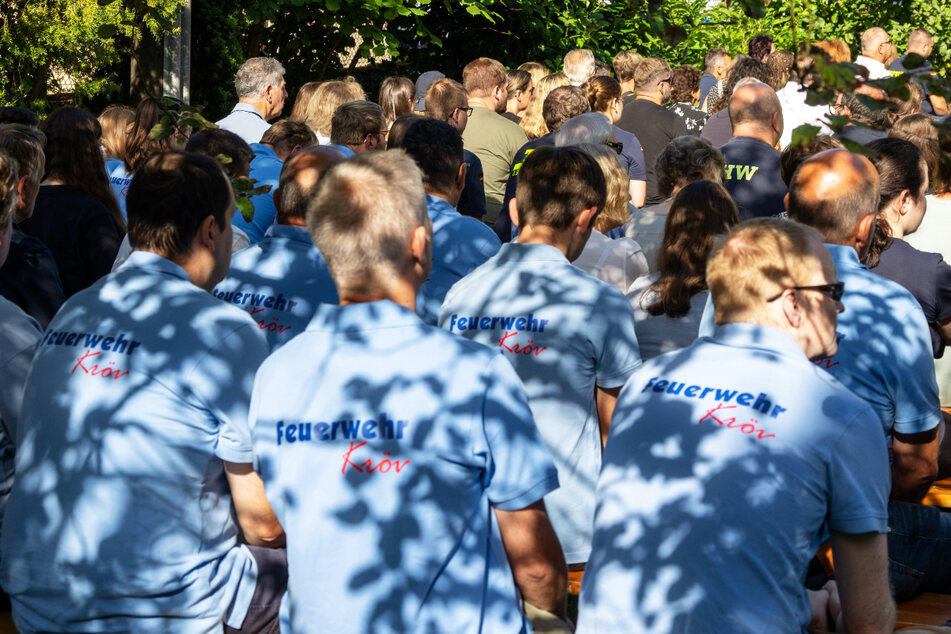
<point x="468" y="111"/>
<point x="833" y="291"/>
<point x="615" y="145"/>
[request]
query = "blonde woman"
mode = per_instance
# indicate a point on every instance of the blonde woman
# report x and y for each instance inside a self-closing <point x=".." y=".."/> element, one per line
<point x="533" y="122"/>
<point x="323" y="102"/>
<point x="536" y="70"/>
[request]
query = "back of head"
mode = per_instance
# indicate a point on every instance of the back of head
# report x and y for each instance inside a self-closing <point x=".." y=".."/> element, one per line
<point x="615" y="212"/>
<point x="363" y="215"/>
<point x="299" y="177"/>
<point x="835" y="50"/>
<point x="138" y="146"/>
<point x="650" y="71"/>
<point x="217" y="142"/>
<point x="555" y="184"/>
<point x="872" y="39"/>
<point x="562" y="104"/>
<point x="687" y="159"/>
<point x="115" y="122"/>
<point x="742" y="68"/>
<point x="754" y="104"/>
<point x="579" y="65"/>
<point x="536" y="70"/>
<point x="24" y="144"/>
<point x="899" y="165"/>
<point x="302" y="101"/>
<point x="423" y="82"/>
<point x="170" y="196"/>
<point x="601" y="91"/>
<point x="684" y="82"/>
<point x="714" y="57"/>
<point x="780" y="64"/>
<point x="590" y="127"/>
<point x="878" y="118"/>
<point x="23" y="116"/>
<point x="920" y="41"/>
<point x="832" y="192"/>
<point x="624" y="65"/>
<point x="8" y="197"/>
<point x="353" y="121"/>
<point x="287" y="134"/>
<point x="398" y="130"/>
<point x="920" y="130"/>
<point x="329" y="96"/>
<point x="517" y="80"/>
<point x="436" y="147"/>
<point x="756" y="260"/>
<point x="443" y="97"/>
<point x="760" y="46"/>
<point x="396" y="97"/>
<point x="794" y="155"/>
<point x="481" y="76"/>
<point x="700" y="212"/>
<point x="255" y="75"/>
<point x="601" y="69"/>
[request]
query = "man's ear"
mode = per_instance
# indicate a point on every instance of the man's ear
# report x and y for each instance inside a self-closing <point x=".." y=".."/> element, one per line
<point x="513" y="213"/>
<point x="23" y="191"/>
<point x="208" y="232"/>
<point x="791" y="309"/>
<point x="863" y="232"/>
<point x="419" y="247"/>
<point x="461" y="176"/>
<point x="585" y="219"/>
<point x="786" y="201"/>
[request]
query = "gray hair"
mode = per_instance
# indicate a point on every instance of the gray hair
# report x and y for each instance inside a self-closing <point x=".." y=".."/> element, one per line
<point x="363" y="215"/>
<point x="590" y="127"/>
<point x="255" y="75"/>
<point x="579" y="65"/>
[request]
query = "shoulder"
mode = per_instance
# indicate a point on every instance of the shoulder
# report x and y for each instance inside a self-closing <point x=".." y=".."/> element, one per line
<point x="20" y="331"/>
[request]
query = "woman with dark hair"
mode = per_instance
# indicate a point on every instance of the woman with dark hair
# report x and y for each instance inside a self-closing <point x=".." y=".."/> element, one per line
<point x="668" y="304"/>
<point x="396" y="98"/>
<point x="903" y="176"/>
<point x="718" y="127"/>
<point x="76" y="214"/>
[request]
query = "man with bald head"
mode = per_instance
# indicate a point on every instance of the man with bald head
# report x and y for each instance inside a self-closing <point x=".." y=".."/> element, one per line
<point x="921" y="43"/>
<point x="884" y="357"/>
<point x="752" y="174"/>
<point x="875" y="43"/>
<point x="282" y="279"/>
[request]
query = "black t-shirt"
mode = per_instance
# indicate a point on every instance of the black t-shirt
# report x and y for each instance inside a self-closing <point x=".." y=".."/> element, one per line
<point x="922" y="74"/>
<point x="30" y="280"/>
<point x="694" y="118"/>
<point x="926" y="276"/>
<point x="752" y="177"/>
<point x="718" y="128"/>
<point x="80" y="232"/>
<point x="503" y="224"/>
<point x="472" y="199"/>
<point x="655" y="127"/>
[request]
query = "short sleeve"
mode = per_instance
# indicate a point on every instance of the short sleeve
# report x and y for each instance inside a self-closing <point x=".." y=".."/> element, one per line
<point x="223" y="379"/>
<point x="859" y="478"/>
<point x="915" y="390"/>
<point x="520" y="470"/>
<point x="618" y="352"/>
<point x="637" y="168"/>
<point x="19" y="343"/>
<point x="943" y="291"/>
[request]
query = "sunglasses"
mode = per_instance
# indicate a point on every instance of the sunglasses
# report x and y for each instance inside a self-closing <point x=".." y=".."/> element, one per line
<point x="833" y="291"/>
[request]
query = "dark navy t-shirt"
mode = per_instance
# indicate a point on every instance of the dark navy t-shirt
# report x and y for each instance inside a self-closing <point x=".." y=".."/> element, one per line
<point x="752" y="177"/>
<point x="922" y="74"/>
<point x="503" y="224"/>
<point x="926" y="276"/>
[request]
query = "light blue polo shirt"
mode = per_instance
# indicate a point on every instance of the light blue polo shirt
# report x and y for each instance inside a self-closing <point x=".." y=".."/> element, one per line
<point x="119" y="180"/>
<point x="245" y="121"/>
<point x="724" y="463"/>
<point x="884" y="353"/>
<point x="385" y="471"/>
<point x="266" y="170"/>
<point x="121" y="517"/>
<point x="565" y="333"/>
<point x="280" y="282"/>
<point x="460" y="244"/>
<point x="17" y="342"/>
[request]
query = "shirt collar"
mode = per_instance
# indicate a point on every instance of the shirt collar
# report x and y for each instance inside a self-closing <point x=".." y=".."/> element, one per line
<point x="246" y="107"/>
<point x="744" y="335"/>
<point x="148" y="261"/>
<point x="288" y="232"/>
<point x="437" y="205"/>
<point x="517" y="252"/>
<point x="262" y="151"/>
<point x="844" y="257"/>
<point x="365" y="316"/>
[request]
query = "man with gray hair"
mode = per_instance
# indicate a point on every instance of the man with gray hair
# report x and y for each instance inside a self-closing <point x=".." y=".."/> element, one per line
<point x="590" y="127"/>
<point x="430" y="465"/>
<point x="261" y="91"/>
<point x="579" y="66"/>
<point x="875" y="43"/>
<point x="752" y="161"/>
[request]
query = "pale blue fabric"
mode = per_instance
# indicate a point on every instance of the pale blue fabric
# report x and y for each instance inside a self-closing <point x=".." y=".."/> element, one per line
<point x="724" y="463"/>
<point x="266" y="170"/>
<point x="565" y="333"/>
<point x="119" y="180"/>
<point x="245" y="121"/>
<point x="121" y="516"/>
<point x="385" y="469"/>
<point x="280" y="281"/>
<point x="884" y="351"/>
<point x="460" y="245"/>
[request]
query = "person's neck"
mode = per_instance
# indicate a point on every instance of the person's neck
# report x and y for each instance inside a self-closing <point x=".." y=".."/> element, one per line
<point x="543" y="234"/>
<point x="482" y="102"/>
<point x="53" y="181"/>
<point x="653" y="97"/>
<point x="872" y="56"/>
<point x="627" y="86"/>
<point x="755" y="132"/>
<point x="402" y="293"/>
<point x="442" y="196"/>
<point x="259" y="104"/>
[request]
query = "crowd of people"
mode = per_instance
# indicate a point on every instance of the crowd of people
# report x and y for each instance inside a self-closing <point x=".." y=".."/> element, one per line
<point x="480" y="341"/>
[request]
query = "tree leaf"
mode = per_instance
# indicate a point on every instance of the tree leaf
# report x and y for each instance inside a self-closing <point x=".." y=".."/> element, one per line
<point x="106" y="31"/>
<point x="246" y="207"/>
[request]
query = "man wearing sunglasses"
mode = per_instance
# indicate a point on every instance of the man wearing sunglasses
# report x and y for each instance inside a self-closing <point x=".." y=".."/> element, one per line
<point x="734" y="446"/>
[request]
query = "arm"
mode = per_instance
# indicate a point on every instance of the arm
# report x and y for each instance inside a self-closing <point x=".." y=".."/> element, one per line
<point x="533" y="551"/>
<point x="861" y="570"/>
<point x="255" y="517"/>
<point x="914" y="464"/>
<point x="638" y="192"/>
<point x="605" y="399"/>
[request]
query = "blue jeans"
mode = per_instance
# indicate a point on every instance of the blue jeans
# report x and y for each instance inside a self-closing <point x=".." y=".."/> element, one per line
<point x="919" y="550"/>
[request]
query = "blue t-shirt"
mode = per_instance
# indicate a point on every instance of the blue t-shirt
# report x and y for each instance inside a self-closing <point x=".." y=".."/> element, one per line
<point x="752" y="176"/>
<point x="724" y="464"/>
<point x="119" y="180"/>
<point x="460" y="244"/>
<point x="280" y="281"/>
<point x="707" y="81"/>
<point x="266" y="170"/>
<point x="884" y="353"/>
<point x="385" y="470"/>
<point x="632" y="154"/>
<point x="565" y="333"/>
<point x="246" y="121"/>
<point x="121" y="517"/>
